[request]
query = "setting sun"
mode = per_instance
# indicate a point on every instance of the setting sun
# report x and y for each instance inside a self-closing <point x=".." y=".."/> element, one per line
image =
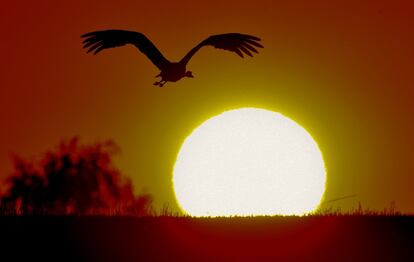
<point x="249" y="161"/>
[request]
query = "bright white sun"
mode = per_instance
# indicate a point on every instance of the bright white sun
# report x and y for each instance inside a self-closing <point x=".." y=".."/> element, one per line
<point x="246" y="162"/>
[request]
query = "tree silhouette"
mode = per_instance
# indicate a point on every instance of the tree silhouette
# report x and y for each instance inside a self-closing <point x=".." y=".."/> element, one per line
<point x="74" y="179"/>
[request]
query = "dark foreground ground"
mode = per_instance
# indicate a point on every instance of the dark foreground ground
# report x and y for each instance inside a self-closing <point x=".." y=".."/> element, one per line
<point x="341" y="238"/>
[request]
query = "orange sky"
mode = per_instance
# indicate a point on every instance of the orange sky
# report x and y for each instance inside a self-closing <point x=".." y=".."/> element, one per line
<point x="342" y="70"/>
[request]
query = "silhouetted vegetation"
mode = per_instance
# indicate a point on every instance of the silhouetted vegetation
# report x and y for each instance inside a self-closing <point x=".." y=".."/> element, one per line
<point x="359" y="211"/>
<point x="79" y="179"/>
<point x="73" y="179"/>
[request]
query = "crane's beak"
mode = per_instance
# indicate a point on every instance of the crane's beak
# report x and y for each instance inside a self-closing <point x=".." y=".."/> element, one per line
<point x="189" y="74"/>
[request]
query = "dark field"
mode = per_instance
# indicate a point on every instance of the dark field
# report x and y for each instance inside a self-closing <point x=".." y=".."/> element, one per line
<point x="316" y="238"/>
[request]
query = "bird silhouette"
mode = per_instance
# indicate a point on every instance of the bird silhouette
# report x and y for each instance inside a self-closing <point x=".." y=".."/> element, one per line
<point x="170" y="71"/>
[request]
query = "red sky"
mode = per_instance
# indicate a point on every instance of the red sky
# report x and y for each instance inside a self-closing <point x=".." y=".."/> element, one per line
<point x="341" y="69"/>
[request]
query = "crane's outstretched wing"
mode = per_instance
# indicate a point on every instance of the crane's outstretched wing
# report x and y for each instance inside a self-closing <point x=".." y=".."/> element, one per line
<point x="100" y="40"/>
<point x="234" y="42"/>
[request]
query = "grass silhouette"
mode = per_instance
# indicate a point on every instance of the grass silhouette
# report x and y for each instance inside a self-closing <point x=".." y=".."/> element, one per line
<point x="7" y="209"/>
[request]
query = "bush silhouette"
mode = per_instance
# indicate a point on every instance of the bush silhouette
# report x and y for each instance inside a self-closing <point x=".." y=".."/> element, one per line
<point x="73" y="179"/>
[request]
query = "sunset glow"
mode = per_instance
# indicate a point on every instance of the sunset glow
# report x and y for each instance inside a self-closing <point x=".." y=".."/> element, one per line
<point x="249" y="162"/>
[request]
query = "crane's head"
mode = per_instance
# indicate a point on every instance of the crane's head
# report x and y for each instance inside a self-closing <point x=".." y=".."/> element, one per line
<point x="189" y="74"/>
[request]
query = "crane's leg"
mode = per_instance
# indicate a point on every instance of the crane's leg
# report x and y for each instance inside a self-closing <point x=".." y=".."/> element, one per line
<point x="162" y="84"/>
<point x="158" y="83"/>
